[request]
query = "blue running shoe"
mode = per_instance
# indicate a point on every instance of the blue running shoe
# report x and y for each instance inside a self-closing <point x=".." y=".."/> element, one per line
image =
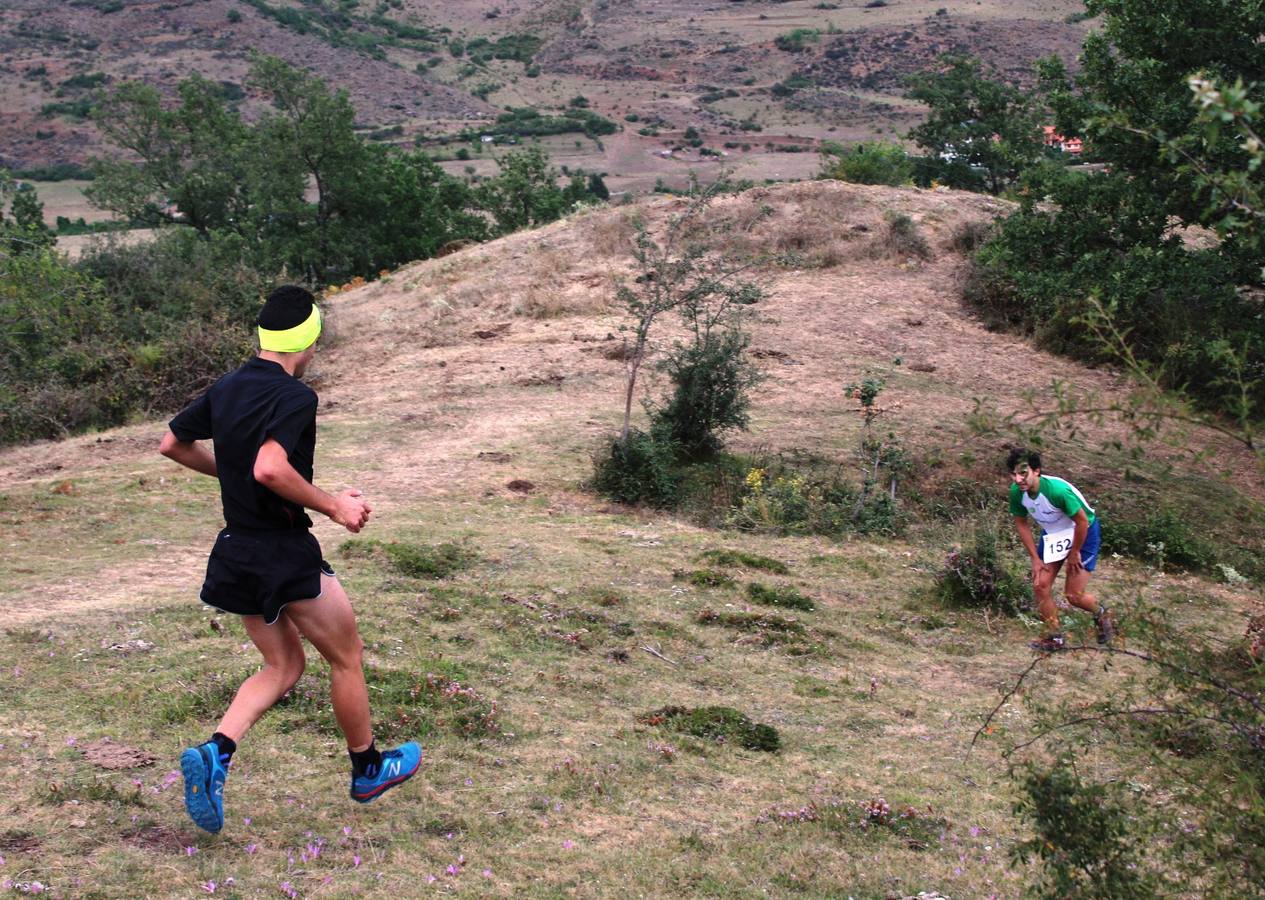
<point x="204" y="774"/>
<point x="397" y="767"/>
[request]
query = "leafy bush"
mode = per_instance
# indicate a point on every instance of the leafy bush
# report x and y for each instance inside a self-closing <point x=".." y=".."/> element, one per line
<point x="134" y="329"/>
<point x="1082" y="839"/>
<point x="978" y="577"/>
<point x="795" y="41"/>
<point x="712" y="380"/>
<point x="781" y="501"/>
<point x="1179" y="308"/>
<point x="1164" y="536"/>
<point x="970" y="236"/>
<point x="879" y="162"/>
<point x="722" y="724"/>
<point x="783" y="596"/>
<point x="641" y="469"/>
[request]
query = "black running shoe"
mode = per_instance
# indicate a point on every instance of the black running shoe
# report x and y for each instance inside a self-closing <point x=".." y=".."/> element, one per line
<point x="1048" y="644"/>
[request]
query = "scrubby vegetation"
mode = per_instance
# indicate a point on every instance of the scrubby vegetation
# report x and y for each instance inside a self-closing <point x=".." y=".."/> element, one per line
<point x="979" y="575"/>
<point x="878" y="162"/>
<point x="722" y="724"/>
<point x="782" y="595"/>
<point x="131" y="329"/>
<point x="412" y="560"/>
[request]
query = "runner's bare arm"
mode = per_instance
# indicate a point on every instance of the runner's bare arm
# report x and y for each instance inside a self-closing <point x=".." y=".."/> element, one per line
<point x="1078" y="538"/>
<point x="1025" y="537"/>
<point x="273" y="471"/>
<point x="190" y="454"/>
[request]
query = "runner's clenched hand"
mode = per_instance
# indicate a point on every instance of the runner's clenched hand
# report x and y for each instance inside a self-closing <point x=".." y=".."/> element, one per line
<point x="351" y="511"/>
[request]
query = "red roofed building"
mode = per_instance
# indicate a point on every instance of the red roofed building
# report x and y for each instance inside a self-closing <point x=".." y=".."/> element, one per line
<point x="1051" y="138"/>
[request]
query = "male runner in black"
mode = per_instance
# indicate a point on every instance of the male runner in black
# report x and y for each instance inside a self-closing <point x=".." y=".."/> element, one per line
<point x="266" y="566"/>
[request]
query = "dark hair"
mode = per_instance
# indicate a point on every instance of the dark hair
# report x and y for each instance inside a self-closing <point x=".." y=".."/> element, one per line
<point x="286" y="307"/>
<point x="1020" y="454"/>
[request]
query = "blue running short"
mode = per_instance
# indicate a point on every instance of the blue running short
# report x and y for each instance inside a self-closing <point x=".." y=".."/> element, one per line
<point x="1089" y="549"/>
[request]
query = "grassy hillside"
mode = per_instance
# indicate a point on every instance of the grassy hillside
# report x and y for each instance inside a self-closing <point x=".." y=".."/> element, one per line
<point x="572" y="621"/>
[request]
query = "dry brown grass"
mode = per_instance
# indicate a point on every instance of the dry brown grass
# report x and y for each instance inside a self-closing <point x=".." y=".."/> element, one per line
<point x="432" y="423"/>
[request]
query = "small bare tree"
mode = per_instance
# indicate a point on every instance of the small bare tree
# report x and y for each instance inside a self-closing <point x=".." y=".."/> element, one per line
<point x="679" y="270"/>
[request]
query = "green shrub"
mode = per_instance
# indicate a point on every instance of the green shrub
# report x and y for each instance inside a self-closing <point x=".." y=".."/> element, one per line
<point x="125" y="330"/>
<point x="1164" y="536"/>
<point x="978" y="577"/>
<point x="706" y="578"/>
<point x="878" y="162"/>
<point x="712" y="381"/>
<point x="733" y="558"/>
<point x="1179" y="308"/>
<point x="795" y="41"/>
<point x="722" y="724"/>
<point x="1082" y="838"/>
<point x="777" y="500"/>
<point x="784" y="596"/>
<point x="639" y="470"/>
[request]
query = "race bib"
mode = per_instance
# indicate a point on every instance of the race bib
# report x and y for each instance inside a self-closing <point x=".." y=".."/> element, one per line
<point x="1056" y="545"/>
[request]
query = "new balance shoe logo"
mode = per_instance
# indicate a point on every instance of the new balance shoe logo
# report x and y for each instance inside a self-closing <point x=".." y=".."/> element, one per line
<point x="393" y="768"/>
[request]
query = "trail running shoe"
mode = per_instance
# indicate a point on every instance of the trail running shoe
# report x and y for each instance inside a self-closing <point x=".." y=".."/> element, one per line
<point x="1106" y="624"/>
<point x="1048" y="644"/>
<point x="204" y="773"/>
<point x="397" y="767"/>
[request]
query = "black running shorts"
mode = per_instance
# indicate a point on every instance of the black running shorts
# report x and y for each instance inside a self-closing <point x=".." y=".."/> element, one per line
<point x="256" y="573"/>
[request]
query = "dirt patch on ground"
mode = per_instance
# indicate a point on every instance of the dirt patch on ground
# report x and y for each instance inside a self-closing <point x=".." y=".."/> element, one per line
<point x="109" y="755"/>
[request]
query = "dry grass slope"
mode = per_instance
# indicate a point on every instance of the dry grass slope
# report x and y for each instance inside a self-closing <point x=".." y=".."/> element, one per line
<point x="444" y="381"/>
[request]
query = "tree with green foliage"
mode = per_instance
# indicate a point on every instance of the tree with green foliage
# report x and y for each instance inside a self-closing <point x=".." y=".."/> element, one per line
<point x="197" y="164"/>
<point x="597" y="187"/>
<point x="711" y="374"/>
<point x="525" y="192"/>
<point x="184" y="163"/>
<point x="975" y="121"/>
<point x="1098" y="268"/>
<point x="308" y="139"/>
<point x="23" y="230"/>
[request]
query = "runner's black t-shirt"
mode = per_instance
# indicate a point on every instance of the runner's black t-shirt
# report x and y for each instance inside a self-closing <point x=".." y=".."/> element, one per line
<point x="241" y="411"/>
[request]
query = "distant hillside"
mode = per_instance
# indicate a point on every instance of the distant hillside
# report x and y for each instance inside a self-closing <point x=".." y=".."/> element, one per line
<point x="753" y="77"/>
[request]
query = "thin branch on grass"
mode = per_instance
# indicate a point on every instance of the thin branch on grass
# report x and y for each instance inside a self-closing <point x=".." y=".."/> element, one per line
<point x="653" y="652"/>
<point x="1116" y="713"/>
<point x="1252" y="701"/>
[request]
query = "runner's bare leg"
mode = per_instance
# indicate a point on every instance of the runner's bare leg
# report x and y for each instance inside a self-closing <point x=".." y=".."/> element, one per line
<point x="282" y="650"/>
<point x="330" y="624"/>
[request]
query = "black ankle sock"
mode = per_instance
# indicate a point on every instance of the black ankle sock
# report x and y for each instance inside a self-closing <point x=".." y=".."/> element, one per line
<point x="227" y="745"/>
<point x="364" y="760"/>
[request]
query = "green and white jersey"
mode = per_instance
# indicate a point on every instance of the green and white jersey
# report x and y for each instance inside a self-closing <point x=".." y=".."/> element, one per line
<point x="1053" y="506"/>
